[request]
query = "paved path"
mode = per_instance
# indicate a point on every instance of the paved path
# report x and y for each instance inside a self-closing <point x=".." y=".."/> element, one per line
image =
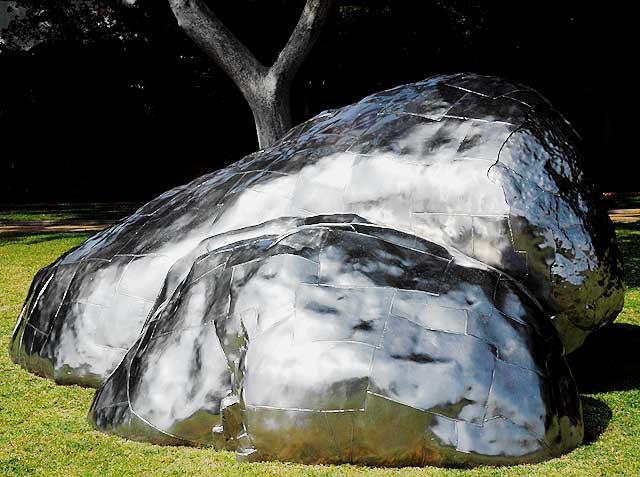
<point x="25" y="228"/>
<point x="625" y="216"/>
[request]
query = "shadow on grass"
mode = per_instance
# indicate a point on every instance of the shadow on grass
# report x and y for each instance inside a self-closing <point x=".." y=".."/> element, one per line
<point x="623" y="202"/>
<point x="609" y="360"/>
<point x="64" y="213"/>
<point x="597" y="415"/>
<point x="32" y="238"/>
<point x="628" y="236"/>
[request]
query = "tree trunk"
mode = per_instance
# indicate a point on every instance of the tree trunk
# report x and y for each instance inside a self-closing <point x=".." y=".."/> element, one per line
<point x="266" y="90"/>
<point x="272" y="115"/>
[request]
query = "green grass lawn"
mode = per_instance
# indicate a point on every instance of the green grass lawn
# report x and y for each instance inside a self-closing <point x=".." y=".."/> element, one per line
<point x="66" y="212"/>
<point x="44" y="430"/>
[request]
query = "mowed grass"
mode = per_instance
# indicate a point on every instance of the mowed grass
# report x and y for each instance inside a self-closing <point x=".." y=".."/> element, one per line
<point x="66" y="212"/>
<point x="44" y="430"/>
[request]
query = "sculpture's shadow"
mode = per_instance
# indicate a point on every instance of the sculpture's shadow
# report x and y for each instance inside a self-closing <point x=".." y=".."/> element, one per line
<point x="597" y="415"/>
<point x="608" y="361"/>
<point x="628" y="236"/>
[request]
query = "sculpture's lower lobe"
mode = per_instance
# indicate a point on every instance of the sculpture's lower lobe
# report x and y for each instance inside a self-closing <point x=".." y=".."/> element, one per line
<point x="342" y="341"/>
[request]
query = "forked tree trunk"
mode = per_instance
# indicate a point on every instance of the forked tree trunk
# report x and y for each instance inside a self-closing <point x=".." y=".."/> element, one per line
<point x="266" y="89"/>
<point x="271" y="110"/>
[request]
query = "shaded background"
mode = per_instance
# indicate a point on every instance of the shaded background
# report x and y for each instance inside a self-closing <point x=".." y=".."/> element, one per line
<point x="103" y="102"/>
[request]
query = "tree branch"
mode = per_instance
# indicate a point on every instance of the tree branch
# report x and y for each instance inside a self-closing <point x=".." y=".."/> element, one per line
<point x="301" y="41"/>
<point x="219" y="43"/>
<point x="265" y="89"/>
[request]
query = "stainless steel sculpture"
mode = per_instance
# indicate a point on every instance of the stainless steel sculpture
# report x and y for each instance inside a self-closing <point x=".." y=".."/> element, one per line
<point x="379" y="287"/>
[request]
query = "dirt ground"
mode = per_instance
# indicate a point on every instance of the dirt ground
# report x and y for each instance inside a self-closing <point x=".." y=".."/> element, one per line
<point x="625" y="216"/>
<point x="27" y="228"/>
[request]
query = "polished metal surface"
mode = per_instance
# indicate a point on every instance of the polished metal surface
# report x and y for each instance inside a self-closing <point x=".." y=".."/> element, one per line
<point x="378" y="287"/>
<point x="344" y="341"/>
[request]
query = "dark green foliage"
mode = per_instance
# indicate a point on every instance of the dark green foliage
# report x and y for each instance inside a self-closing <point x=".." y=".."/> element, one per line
<point x="109" y="90"/>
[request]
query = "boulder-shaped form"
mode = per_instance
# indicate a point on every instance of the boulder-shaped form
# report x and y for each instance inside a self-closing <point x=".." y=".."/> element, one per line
<point x="344" y="341"/>
<point x="476" y="163"/>
<point x="394" y="282"/>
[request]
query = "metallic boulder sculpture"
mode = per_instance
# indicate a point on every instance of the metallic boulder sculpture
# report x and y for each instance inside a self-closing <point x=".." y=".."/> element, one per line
<point x="393" y="283"/>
